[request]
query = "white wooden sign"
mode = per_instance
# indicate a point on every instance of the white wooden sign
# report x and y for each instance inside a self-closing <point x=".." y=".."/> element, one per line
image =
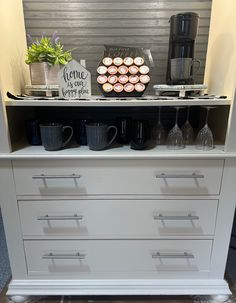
<point x="74" y="81"/>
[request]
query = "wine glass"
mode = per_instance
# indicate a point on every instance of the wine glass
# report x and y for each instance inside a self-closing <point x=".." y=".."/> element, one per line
<point x="175" y="138"/>
<point x="158" y="131"/>
<point x="187" y="130"/>
<point x="205" y="140"/>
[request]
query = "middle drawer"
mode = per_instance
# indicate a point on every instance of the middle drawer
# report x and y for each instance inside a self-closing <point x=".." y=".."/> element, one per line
<point x="118" y="218"/>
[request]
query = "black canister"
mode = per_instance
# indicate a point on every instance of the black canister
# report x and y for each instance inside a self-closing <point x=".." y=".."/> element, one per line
<point x="124" y="126"/>
<point x="33" y="131"/>
<point x="80" y="131"/>
<point x="140" y="132"/>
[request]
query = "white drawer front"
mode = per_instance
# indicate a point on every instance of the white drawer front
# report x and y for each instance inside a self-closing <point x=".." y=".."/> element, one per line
<point x="118" y="218"/>
<point x="178" y="177"/>
<point x="117" y="256"/>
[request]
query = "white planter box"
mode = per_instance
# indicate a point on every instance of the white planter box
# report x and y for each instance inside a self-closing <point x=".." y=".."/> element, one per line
<point x="44" y="74"/>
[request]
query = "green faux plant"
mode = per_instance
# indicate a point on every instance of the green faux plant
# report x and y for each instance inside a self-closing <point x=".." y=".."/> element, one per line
<point x="49" y="50"/>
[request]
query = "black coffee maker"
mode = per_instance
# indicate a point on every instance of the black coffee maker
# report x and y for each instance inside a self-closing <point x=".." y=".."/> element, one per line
<point x="183" y="32"/>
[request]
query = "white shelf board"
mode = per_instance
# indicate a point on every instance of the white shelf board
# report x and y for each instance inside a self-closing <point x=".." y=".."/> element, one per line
<point x="121" y="152"/>
<point x="93" y="102"/>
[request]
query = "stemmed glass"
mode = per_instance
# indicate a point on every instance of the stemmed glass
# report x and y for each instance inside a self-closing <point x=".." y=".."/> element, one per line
<point x="175" y="138"/>
<point x="187" y="130"/>
<point x="158" y="131"/>
<point x="205" y="140"/>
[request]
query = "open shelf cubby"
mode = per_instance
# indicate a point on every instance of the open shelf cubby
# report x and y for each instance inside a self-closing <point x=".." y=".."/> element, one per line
<point x="72" y="112"/>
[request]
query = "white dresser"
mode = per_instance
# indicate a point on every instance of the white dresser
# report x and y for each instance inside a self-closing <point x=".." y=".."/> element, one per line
<point x="117" y="225"/>
<point x="120" y="219"/>
<point x="117" y="222"/>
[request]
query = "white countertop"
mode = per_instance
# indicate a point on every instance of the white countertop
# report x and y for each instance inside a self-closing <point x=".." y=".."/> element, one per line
<point x="120" y="102"/>
<point x="120" y="152"/>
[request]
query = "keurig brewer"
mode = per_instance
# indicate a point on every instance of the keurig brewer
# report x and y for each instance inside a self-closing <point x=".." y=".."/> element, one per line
<point x="183" y="31"/>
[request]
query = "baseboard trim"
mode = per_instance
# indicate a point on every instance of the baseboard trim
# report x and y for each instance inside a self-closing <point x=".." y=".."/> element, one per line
<point x="118" y="287"/>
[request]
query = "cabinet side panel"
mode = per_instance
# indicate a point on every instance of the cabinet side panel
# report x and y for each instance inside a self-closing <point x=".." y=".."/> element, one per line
<point x="230" y="143"/>
<point x="220" y="74"/>
<point x="11" y="221"/>
<point x="5" y="146"/>
<point x="14" y="72"/>
<point x="224" y="220"/>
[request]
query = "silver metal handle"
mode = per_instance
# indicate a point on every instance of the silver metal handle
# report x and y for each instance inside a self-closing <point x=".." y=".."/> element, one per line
<point x="77" y="256"/>
<point x="42" y="176"/>
<point x="175" y="218"/>
<point x="184" y="255"/>
<point x="50" y="218"/>
<point x="180" y="176"/>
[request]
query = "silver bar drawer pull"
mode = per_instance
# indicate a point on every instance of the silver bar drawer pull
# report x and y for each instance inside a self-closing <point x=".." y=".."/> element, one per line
<point x="184" y="255"/>
<point x="51" y="218"/>
<point x="179" y="176"/>
<point x="175" y="218"/>
<point x="77" y="256"/>
<point x="42" y="176"/>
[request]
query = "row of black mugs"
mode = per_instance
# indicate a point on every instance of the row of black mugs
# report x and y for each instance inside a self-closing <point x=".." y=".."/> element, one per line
<point x="97" y="135"/>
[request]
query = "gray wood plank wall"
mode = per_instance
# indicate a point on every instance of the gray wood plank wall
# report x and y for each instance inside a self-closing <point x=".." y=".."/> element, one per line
<point x="89" y="24"/>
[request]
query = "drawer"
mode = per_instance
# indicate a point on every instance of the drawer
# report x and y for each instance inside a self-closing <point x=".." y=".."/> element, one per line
<point x="114" y="257"/>
<point x="118" y="218"/>
<point x="190" y="177"/>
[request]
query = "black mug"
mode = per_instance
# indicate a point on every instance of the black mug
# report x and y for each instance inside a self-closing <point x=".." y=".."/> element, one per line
<point x="139" y="135"/>
<point x="124" y="126"/>
<point x="33" y="132"/>
<point x="52" y="135"/>
<point x="97" y="135"/>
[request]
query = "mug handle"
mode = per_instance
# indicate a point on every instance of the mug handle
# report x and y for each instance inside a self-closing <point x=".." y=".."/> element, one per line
<point x="113" y="138"/>
<point x="199" y="64"/>
<point x="70" y="136"/>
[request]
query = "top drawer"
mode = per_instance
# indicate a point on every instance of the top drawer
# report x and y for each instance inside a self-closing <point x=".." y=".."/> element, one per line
<point x="114" y="177"/>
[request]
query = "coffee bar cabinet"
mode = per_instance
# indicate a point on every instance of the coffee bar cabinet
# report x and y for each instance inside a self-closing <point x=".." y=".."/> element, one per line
<point x="119" y="221"/>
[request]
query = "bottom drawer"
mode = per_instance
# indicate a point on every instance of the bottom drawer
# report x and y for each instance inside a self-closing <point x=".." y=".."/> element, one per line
<point x="118" y="258"/>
